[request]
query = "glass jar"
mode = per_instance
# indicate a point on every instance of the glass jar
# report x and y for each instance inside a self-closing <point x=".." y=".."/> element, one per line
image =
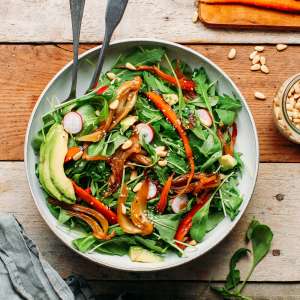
<point x="286" y="109"/>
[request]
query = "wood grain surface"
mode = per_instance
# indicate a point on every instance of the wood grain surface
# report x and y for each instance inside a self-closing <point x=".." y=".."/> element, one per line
<point x="47" y="21"/>
<point x="189" y="290"/>
<point x="27" y="69"/>
<point x="282" y="216"/>
<point x="243" y="16"/>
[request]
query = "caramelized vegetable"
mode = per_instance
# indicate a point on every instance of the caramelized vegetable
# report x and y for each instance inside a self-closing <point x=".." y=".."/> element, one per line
<point x="71" y="152"/>
<point x="83" y="209"/>
<point x="94" y="202"/>
<point x="228" y="149"/>
<point x="139" y="209"/>
<point x="170" y="114"/>
<point x="125" y="223"/>
<point x="161" y="205"/>
<point x="117" y="162"/>
<point x="140" y="159"/>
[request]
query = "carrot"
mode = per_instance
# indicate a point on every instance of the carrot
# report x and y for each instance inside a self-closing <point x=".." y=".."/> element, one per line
<point x="287" y="5"/>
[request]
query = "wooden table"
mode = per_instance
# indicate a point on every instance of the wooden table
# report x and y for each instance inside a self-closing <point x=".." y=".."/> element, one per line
<point x="27" y="66"/>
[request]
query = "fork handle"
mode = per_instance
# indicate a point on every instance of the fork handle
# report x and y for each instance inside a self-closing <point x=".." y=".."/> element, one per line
<point x="76" y="7"/>
<point x="114" y="13"/>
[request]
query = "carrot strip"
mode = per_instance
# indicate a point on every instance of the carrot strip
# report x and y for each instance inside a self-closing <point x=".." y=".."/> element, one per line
<point x="286" y="5"/>
<point x="71" y="152"/>
<point x="170" y="114"/>
<point x="161" y="205"/>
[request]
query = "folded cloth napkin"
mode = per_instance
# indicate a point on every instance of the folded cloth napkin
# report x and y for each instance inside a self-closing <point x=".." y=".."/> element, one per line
<point x="25" y="274"/>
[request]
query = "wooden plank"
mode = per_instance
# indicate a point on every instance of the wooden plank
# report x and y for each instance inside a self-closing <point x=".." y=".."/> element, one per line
<point x="183" y="290"/>
<point x="27" y="69"/>
<point x="243" y="16"/>
<point x="44" y="21"/>
<point x="281" y="216"/>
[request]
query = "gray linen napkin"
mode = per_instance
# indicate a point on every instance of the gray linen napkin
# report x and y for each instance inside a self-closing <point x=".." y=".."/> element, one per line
<point x="25" y="274"/>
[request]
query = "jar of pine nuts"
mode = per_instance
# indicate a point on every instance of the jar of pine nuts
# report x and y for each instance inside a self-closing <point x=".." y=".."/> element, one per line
<point x="286" y="109"/>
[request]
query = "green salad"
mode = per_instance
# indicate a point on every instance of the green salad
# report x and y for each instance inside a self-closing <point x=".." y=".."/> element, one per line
<point x="144" y="163"/>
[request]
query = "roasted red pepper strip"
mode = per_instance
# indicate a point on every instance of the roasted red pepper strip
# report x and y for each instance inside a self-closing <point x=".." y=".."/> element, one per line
<point x="228" y="149"/>
<point x="170" y="114"/>
<point x="88" y="190"/>
<point x="161" y="205"/>
<point x="185" y="84"/>
<point x="108" y="214"/>
<point x="71" y="152"/>
<point x="102" y="89"/>
<point x="187" y="222"/>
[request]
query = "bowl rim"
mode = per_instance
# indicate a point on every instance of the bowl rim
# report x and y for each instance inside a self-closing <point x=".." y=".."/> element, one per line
<point x="180" y="260"/>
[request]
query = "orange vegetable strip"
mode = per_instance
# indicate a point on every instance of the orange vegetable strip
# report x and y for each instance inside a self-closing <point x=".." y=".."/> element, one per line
<point x="187" y="222"/>
<point x="185" y="84"/>
<point x="170" y="114"/>
<point x="287" y="5"/>
<point x="161" y="205"/>
<point x="71" y="152"/>
<point x="94" y="202"/>
<point x="125" y="223"/>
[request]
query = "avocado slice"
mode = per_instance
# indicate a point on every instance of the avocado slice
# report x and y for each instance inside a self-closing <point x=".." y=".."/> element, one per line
<point x="128" y="121"/>
<point x="139" y="254"/>
<point x="171" y="99"/>
<point x="227" y="162"/>
<point x="58" y="150"/>
<point x="44" y="170"/>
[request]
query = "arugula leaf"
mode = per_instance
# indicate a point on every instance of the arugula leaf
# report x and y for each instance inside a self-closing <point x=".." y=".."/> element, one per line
<point x="87" y="113"/>
<point x="227" y="294"/>
<point x="96" y="148"/>
<point x="237" y="156"/>
<point x="55" y="211"/>
<point x="202" y="88"/>
<point x="226" y="102"/>
<point x="166" y="225"/>
<point x="226" y="116"/>
<point x="198" y="229"/>
<point x="104" y="112"/>
<point x="150" y="149"/>
<point x="113" y="146"/>
<point x="176" y="163"/>
<point x="214" y="219"/>
<point x="198" y="128"/>
<point x="234" y="276"/>
<point x="251" y="227"/>
<point x="161" y="174"/>
<point x="216" y="156"/>
<point x="84" y="243"/>
<point x="39" y="138"/>
<point x="199" y="101"/>
<point x="151" y="244"/>
<point x="156" y="83"/>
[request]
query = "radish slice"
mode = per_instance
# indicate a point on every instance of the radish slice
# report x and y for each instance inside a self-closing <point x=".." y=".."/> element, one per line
<point x="179" y="203"/>
<point x="205" y="117"/>
<point x="146" y="130"/>
<point x="152" y="190"/>
<point x="72" y="122"/>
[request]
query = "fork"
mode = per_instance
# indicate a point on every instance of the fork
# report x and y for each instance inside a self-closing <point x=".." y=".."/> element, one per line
<point x="114" y="13"/>
<point x="76" y="7"/>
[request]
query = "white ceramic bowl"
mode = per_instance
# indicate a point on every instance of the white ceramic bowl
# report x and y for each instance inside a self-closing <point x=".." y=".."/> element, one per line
<point x="247" y="143"/>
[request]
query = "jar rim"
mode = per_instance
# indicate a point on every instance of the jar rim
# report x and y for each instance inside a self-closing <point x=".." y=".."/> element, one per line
<point x="284" y="98"/>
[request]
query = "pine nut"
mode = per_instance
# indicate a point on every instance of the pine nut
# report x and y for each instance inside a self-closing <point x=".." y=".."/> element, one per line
<point x="297" y="88"/>
<point x="113" y="81"/>
<point x="255" y="67"/>
<point x="255" y="59"/>
<point x="277" y="101"/>
<point x="111" y="75"/>
<point x="298" y="126"/>
<point x="192" y="243"/>
<point x="185" y="239"/>
<point x="97" y="112"/>
<point x="161" y="153"/>
<point x="289" y="107"/>
<point x="130" y="66"/>
<point x="232" y="54"/>
<point x="282" y="123"/>
<point x="160" y="148"/>
<point x="260" y="96"/>
<point x="195" y="16"/>
<point x="297" y="121"/>
<point x="295" y="115"/>
<point x="281" y="47"/>
<point x="77" y="155"/>
<point x="290" y="113"/>
<point x="119" y="79"/>
<point x="114" y="105"/>
<point x="288" y="101"/>
<point x="137" y="187"/>
<point x="205" y="122"/>
<point x="259" y="48"/>
<point x="277" y="111"/>
<point x="295" y="110"/>
<point x="292" y="101"/>
<point x="127" y="144"/>
<point x="133" y="175"/>
<point x="297" y="105"/>
<point x="291" y="119"/>
<point x="162" y="163"/>
<point x="264" y="69"/>
<point x="296" y="96"/>
<point x="123" y="209"/>
<point x="262" y="60"/>
<point x="253" y="55"/>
